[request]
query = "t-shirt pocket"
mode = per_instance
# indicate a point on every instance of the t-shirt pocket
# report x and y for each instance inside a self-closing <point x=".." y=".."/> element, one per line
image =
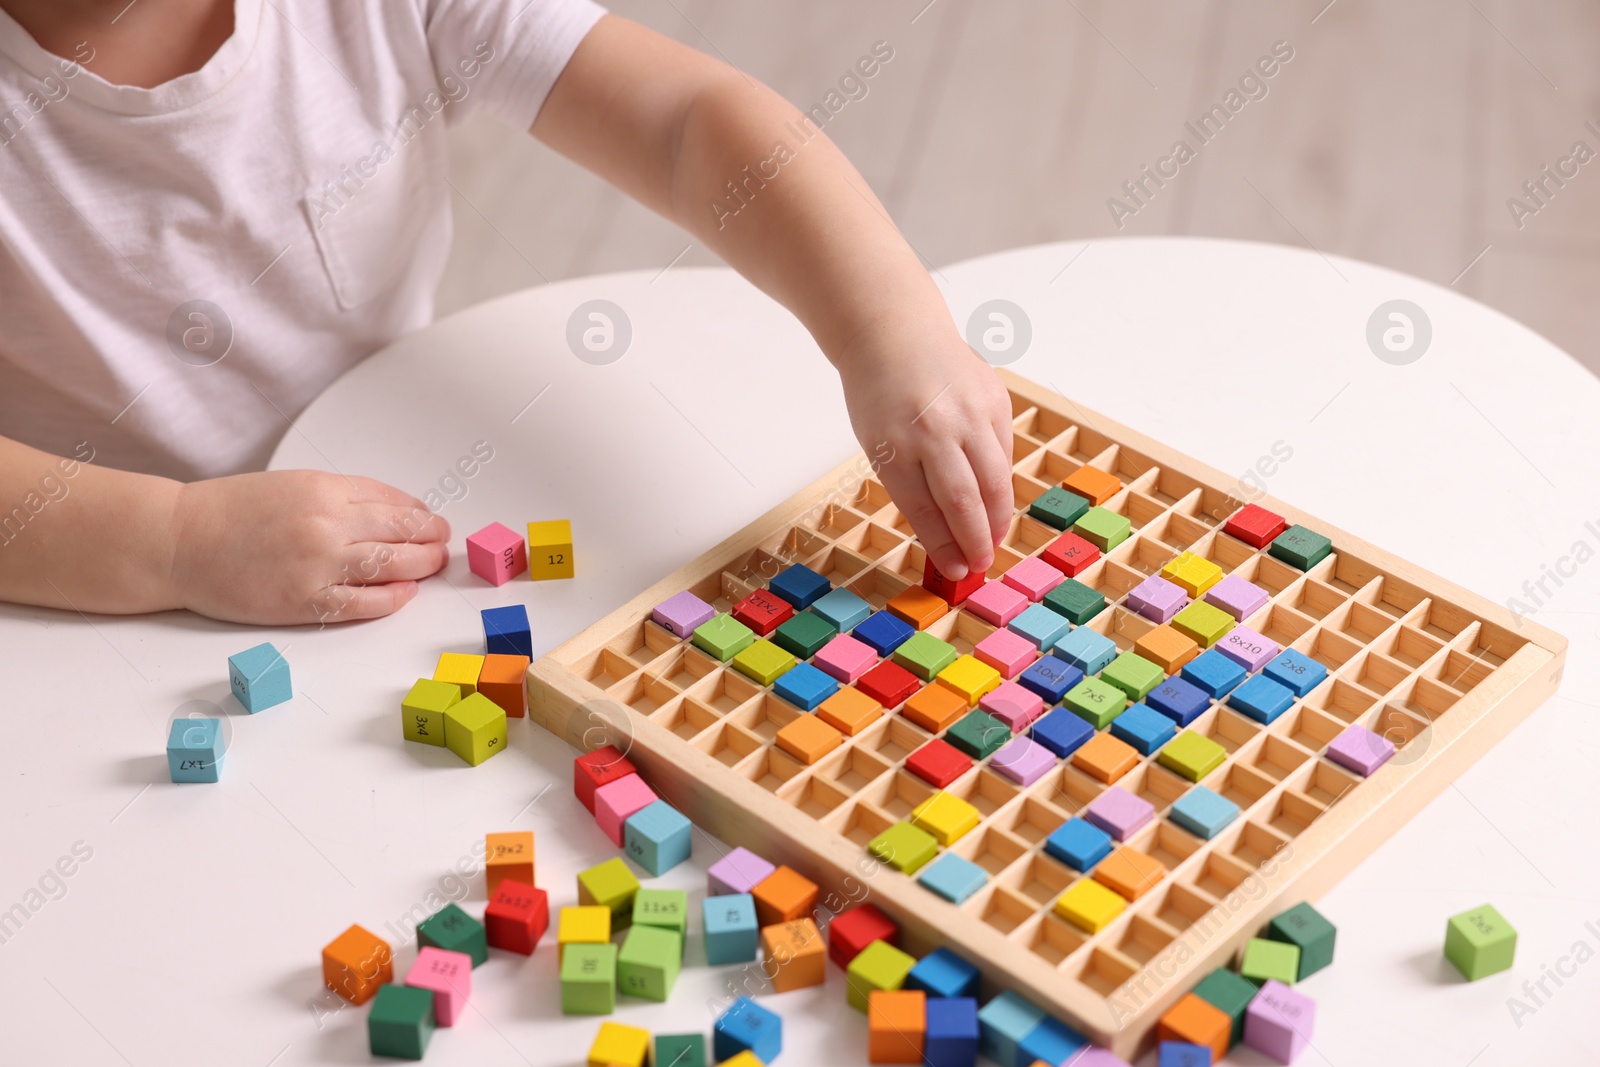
<point x="368" y="220"/>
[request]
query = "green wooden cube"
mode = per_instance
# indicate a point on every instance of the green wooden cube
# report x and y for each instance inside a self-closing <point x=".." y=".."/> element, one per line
<point x="400" y="1022"/>
<point x="925" y="655"/>
<point x="762" y="661"/>
<point x="664" y="908"/>
<point x="453" y="929"/>
<point x="1192" y="755"/>
<point x="1300" y="547"/>
<point x="1205" y="623"/>
<point x="648" y="963"/>
<point x="422" y="710"/>
<point x="1095" y="702"/>
<point x="1264" y="960"/>
<point x="1075" y="601"/>
<point x="1134" y="675"/>
<point x="1480" y="942"/>
<point x="475" y="728"/>
<point x="680" y="1050"/>
<point x="610" y="885"/>
<point x="589" y="979"/>
<point x="1058" y="508"/>
<point x="803" y="635"/>
<point x="1229" y="994"/>
<point x="978" y="734"/>
<point x="1305" y="928"/>
<point x="904" y="847"/>
<point x="723" y="636"/>
<point x="879" y="966"/>
<point x="1103" y="528"/>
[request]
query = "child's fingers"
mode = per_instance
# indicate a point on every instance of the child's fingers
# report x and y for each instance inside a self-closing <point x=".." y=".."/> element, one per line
<point x="387" y="522"/>
<point x="356" y="602"/>
<point x="954" y="487"/>
<point x="910" y="492"/>
<point x="993" y="472"/>
<point x="380" y="561"/>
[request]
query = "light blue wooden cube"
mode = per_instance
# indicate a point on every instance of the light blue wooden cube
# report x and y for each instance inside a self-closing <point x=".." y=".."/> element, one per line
<point x="1004" y="1022"/>
<point x="657" y="837"/>
<point x="731" y="931"/>
<point x="260" y="677"/>
<point x="194" y="750"/>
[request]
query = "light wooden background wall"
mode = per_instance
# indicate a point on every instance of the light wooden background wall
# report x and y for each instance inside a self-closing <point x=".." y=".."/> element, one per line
<point x="1396" y="134"/>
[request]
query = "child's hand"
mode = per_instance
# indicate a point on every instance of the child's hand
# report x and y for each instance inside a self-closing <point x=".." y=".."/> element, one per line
<point x="285" y="547"/>
<point x="947" y="418"/>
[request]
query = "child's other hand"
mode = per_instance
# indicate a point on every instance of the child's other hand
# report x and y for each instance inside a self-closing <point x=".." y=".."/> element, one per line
<point x="285" y="547"/>
<point x="947" y="417"/>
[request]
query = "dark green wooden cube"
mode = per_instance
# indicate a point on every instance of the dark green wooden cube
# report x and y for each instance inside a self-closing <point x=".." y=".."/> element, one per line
<point x="1229" y="994"/>
<point x="1058" y="508"/>
<point x="1303" y="925"/>
<point x="1300" y="547"/>
<point x="804" y="634"/>
<point x="1075" y="601"/>
<point x="400" y="1022"/>
<point x="978" y="734"/>
<point x="680" y="1050"/>
<point x="454" y="929"/>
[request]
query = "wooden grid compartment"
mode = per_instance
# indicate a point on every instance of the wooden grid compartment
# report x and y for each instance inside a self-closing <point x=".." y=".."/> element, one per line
<point x="1438" y="671"/>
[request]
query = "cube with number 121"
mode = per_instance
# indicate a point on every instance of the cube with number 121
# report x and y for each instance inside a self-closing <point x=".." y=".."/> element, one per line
<point x="550" y="549"/>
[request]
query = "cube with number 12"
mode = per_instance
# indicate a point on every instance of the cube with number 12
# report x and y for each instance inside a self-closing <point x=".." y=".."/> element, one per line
<point x="550" y="549"/>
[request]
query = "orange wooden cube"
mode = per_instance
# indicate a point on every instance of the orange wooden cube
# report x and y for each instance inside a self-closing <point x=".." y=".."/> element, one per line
<point x="508" y="855"/>
<point x="356" y="963"/>
<point x="1167" y="648"/>
<point x="935" y="707"/>
<point x="501" y="681"/>
<point x="808" y="739"/>
<point x="919" y="607"/>
<point x="849" y="711"/>
<point x="1106" y="758"/>
<point x="796" y="955"/>
<point x="1197" y="1022"/>
<point x="1129" y="872"/>
<point x="1093" y="484"/>
<point x="784" y="896"/>
<point x="897" y="1025"/>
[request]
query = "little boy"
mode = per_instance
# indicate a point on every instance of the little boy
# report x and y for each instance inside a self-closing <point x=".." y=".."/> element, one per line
<point x="161" y="160"/>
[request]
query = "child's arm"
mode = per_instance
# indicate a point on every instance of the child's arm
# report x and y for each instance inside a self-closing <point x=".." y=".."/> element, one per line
<point x="673" y="127"/>
<point x="278" y="547"/>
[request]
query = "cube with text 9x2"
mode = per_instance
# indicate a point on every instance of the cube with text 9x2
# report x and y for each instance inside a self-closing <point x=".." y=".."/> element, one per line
<point x="550" y="549"/>
<point x="259" y="677"/>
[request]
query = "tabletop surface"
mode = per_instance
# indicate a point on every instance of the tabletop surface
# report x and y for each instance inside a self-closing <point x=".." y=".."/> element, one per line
<point x="189" y="927"/>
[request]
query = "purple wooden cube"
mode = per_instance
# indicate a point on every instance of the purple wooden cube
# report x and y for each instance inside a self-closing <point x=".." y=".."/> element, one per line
<point x="738" y="872"/>
<point x="682" y="612"/>
<point x="1237" y="597"/>
<point x="1095" y="1056"/>
<point x="1247" y="648"/>
<point x="1119" y="813"/>
<point x="1279" y="1021"/>
<point x="1157" y="599"/>
<point x="1361" y="750"/>
<point x="1023" y="761"/>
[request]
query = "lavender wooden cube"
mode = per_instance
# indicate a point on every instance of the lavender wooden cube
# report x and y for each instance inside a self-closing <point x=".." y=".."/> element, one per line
<point x="1157" y="599"/>
<point x="738" y="872"/>
<point x="1279" y="1021"/>
<point x="1361" y="750"/>
<point x="1119" y="813"/>
<point x="682" y="612"/>
<point x="1237" y="597"/>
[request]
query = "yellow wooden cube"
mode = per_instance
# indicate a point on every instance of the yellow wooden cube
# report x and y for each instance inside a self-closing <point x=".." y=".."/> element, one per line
<point x="1089" y="906"/>
<point x="619" y="1046"/>
<point x="550" y="549"/>
<point x="762" y="661"/>
<point x="475" y="728"/>
<point x="586" y="924"/>
<point x="970" y="677"/>
<point x="1195" y="573"/>
<point x="948" y="818"/>
<point x="460" y="670"/>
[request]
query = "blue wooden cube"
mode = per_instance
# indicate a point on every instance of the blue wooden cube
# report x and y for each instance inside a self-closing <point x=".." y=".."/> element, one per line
<point x="1296" y="671"/>
<point x="1040" y="625"/>
<point x="1061" y="732"/>
<point x="1179" y="700"/>
<point x="1203" y="813"/>
<point x="884" y="631"/>
<point x="952" y="877"/>
<point x="195" y="749"/>
<point x="1003" y="1023"/>
<point x="942" y="973"/>
<point x="805" y="686"/>
<point x="1261" y="698"/>
<point x="952" y="1035"/>
<point x="1050" y="677"/>
<point x="1214" y="672"/>
<point x="260" y="677"/>
<point x="657" y="837"/>
<point x="1144" y="728"/>
<point x="800" y="586"/>
<point x="1183" y="1054"/>
<point x="747" y="1026"/>
<point x="1079" y="843"/>
<point x="1050" y="1041"/>
<point x="1086" y="649"/>
<point x="842" y="608"/>
<point x="732" y="935"/>
<point x="506" y="631"/>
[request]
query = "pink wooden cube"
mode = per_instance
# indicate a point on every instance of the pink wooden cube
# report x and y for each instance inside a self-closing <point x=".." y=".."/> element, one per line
<point x="448" y="975"/>
<point x="1007" y="652"/>
<point x="1095" y="1056"/>
<point x="1012" y="704"/>
<point x="845" y="658"/>
<point x="496" y="554"/>
<point x="996" y="603"/>
<point x="1033" y="578"/>
<point x="616" y="801"/>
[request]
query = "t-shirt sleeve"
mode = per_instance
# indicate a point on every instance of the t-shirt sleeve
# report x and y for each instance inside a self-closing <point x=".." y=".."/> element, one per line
<point x="508" y="52"/>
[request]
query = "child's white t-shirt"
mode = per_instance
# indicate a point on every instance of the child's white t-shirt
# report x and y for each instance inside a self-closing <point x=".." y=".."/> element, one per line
<point x="184" y="268"/>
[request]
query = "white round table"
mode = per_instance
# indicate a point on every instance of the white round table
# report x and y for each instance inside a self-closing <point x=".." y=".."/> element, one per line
<point x="190" y="925"/>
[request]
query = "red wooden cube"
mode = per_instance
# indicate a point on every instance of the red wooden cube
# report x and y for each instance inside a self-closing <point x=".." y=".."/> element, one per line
<point x="938" y="763"/>
<point x="947" y="589"/>
<point x="763" y="612"/>
<point x="1255" y="526"/>
<point x="888" y="683"/>
<point x="517" y="916"/>
<point x="1070" y="554"/>
<point x="853" y="930"/>
<point x="595" y="769"/>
